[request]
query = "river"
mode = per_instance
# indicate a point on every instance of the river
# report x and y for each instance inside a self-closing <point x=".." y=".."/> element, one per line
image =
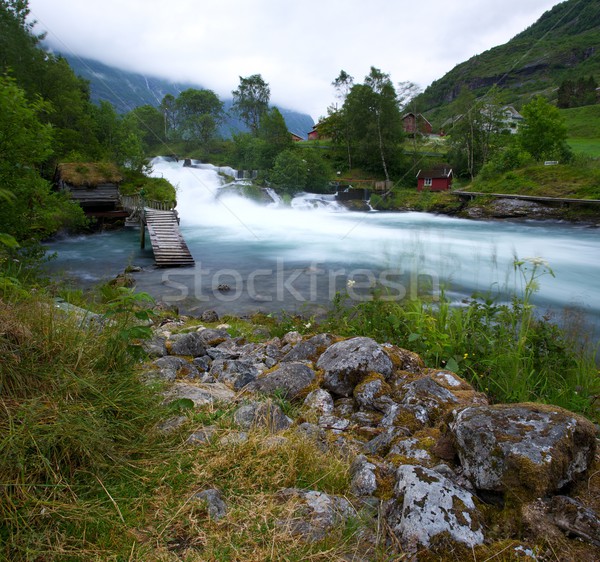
<point x="273" y="257"/>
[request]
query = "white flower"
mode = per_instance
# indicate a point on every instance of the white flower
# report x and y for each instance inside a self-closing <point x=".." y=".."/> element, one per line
<point x="351" y="283"/>
<point x="537" y="261"/>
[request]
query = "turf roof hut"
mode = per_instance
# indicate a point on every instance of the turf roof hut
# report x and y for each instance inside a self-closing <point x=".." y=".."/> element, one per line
<point x="95" y="186"/>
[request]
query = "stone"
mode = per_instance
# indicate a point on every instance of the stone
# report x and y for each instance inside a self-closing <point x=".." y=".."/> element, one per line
<point x="156" y="346"/>
<point x="166" y="368"/>
<point x="316" y="513"/>
<point x="373" y="394"/>
<point x="217" y="508"/>
<point x="573" y="518"/>
<point x="212" y="338"/>
<point x="346" y="363"/>
<point x="309" y="350"/>
<point x="319" y="401"/>
<point x="290" y="380"/>
<point x="202" y="436"/>
<point x="403" y="359"/>
<point x="428" y="398"/>
<point x="292" y="338"/>
<point x="380" y="445"/>
<point x="410" y="449"/>
<point x="186" y="344"/>
<point x="235" y="373"/>
<point x="172" y="424"/>
<point x="262" y="415"/>
<point x="209" y="316"/>
<point x="333" y="423"/>
<point x="561" y="514"/>
<point x="202" y="363"/>
<point x="201" y="393"/>
<point x="428" y="505"/>
<point x="364" y="481"/>
<point x="532" y="449"/>
<point x="234" y="438"/>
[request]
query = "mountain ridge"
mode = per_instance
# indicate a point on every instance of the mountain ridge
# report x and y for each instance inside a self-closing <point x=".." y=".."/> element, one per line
<point x="563" y="43"/>
<point x="126" y="90"/>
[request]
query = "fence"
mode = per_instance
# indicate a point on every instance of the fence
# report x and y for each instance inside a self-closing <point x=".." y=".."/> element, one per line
<point x="132" y="202"/>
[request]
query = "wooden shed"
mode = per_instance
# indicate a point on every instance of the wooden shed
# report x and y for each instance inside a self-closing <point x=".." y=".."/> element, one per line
<point x="437" y="178"/>
<point x="94" y="185"/>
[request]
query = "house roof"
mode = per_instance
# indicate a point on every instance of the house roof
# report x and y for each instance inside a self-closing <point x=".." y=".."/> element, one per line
<point x="89" y="174"/>
<point x="441" y="171"/>
<point x="419" y="116"/>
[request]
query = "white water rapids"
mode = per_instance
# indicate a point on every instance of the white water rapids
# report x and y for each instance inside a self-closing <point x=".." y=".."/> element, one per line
<point x="273" y="257"/>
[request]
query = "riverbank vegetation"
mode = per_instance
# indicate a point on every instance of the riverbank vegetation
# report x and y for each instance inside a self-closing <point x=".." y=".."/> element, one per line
<point x="87" y="471"/>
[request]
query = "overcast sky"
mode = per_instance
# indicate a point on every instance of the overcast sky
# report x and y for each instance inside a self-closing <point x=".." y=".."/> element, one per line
<point x="298" y="47"/>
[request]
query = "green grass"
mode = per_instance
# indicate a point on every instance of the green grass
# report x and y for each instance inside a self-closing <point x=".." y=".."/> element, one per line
<point x="504" y="349"/>
<point x="578" y="180"/>
<point x="582" y="122"/>
<point x="587" y="146"/>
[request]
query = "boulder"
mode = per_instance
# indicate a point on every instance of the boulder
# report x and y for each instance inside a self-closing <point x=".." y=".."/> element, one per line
<point x="186" y="344"/>
<point x="530" y="448"/>
<point x="200" y="394"/>
<point x="364" y="481"/>
<point x="289" y="379"/>
<point x="428" y="505"/>
<point x="309" y="350"/>
<point x="233" y="372"/>
<point x="262" y="415"/>
<point x="211" y="338"/>
<point x="214" y="503"/>
<point x="209" y="316"/>
<point x="319" y="401"/>
<point x="316" y="513"/>
<point x="156" y="346"/>
<point x="346" y="363"/>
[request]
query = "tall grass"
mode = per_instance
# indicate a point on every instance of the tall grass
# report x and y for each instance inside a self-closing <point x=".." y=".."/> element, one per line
<point x="505" y="349"/>
<point x="75" y="434"/>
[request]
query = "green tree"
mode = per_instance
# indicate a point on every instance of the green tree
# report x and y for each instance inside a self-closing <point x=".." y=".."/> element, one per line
<point x="150" y="123"/>
<point x="25" y="142"/>
<point x="169" y="112"/>
<point x="318" y="172"/>
<point x="338" y="124"/>
<point x="544" y="133"/>
<point x="374" y="123"/>
<point x="290" y="171"/>
<point x="276" y="138"/>
<point x="251" y="101"/>
<point x="198" y="114"/>
<point x="477" y="131"/>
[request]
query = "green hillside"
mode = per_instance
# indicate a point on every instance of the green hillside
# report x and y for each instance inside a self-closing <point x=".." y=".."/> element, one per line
<point x="563" y="43"/>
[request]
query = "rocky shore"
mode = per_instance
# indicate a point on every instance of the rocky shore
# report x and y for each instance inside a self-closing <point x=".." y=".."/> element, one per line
<point x="435" y="466"/>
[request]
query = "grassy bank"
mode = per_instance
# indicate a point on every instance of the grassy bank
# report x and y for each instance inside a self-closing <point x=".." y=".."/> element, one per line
<point x="86" y="473"/>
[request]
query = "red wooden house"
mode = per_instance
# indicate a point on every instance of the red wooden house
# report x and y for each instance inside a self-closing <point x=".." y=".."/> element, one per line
<point x="438" y="178"/>
<point x="314" y="134"/>
<point x="412" y="123"/>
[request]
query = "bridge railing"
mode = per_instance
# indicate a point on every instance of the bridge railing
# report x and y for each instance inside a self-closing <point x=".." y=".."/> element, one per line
<point x="132" y="202"/>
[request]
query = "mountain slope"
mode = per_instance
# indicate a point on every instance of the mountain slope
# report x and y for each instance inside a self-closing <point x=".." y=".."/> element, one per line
<point x="127" y="90"/>
<point x="564" y="42"/>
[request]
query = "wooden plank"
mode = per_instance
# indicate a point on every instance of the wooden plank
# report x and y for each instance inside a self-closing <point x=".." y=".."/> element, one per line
<point x="169" y="246"/>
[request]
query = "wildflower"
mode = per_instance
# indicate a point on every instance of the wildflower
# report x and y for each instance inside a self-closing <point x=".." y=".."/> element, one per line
<point x="351" y="283"/>
<point x="307" y="325"/>
<point x="465" y="355"/>
<point x="537" y="261"/>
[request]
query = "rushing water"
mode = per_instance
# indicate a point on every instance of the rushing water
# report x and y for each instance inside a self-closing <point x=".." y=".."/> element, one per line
<point x="273" y="257"/>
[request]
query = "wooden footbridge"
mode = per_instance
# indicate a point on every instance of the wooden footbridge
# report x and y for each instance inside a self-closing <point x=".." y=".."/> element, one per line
<point x="162" y="222"/>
